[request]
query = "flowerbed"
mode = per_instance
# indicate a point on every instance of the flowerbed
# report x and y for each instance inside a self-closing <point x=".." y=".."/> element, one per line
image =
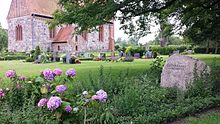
<point x="50" y="92"/>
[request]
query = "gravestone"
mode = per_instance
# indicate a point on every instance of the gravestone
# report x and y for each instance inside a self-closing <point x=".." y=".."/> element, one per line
<point x="68" y="56"/>
<point x="54" y="56"/>
<point x="179" y="71"/>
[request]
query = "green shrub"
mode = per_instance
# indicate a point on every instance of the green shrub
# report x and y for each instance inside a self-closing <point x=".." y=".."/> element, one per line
<point x="169" y="49"/>
<point x="15" y="57"/>
<point x="86" y="59"/>
<point x="29" y="59"/>
<point x="203" y="50"/>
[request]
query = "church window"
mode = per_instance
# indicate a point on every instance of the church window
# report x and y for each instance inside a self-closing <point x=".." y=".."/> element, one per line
<point x="18" y="33"/>
<point x="76" y="38"/>
<point x="101" y="33"/>
<point x="76" y="48"/>
<point x="58" y="48"/>
<point x="52" y="33"/>
<point x="84" y="35"/>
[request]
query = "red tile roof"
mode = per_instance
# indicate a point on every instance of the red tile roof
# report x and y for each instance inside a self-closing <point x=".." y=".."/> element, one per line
<point x="27" y="7"/>
<point x="64" y="34"/>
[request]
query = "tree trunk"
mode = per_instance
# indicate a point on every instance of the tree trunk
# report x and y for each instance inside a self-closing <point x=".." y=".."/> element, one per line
<point x="162" y="41"/>
<point x="216" y="48"/>
<point x="207" y="48"/>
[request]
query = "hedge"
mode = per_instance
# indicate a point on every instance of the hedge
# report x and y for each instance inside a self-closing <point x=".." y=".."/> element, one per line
<point x="169" y="49"/>
<point x="203" y="50"/>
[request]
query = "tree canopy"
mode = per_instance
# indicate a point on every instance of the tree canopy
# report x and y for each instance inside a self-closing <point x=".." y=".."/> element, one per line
<point x="3" y="38"/>
<point x="199" y="18"/>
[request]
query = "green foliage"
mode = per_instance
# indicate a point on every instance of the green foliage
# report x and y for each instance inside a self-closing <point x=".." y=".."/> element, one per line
<point x="89" y="14"/>
<point x="203" y="50"/>
<point x="37" y="52"/>
<point x="3" y="39"/>
<point x="13" y="56"/>
<point x="169" y="49"/>
<point x="29" y="59"/>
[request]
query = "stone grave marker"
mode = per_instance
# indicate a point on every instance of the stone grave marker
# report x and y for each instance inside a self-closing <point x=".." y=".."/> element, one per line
<point x="179" y="71"/>
<point x="54" y="56"/>
<point x="68" y="56"/>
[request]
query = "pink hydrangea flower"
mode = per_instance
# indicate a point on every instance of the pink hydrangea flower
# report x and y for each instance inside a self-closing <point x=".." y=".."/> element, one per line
<point x="54" y="103"/>
<point x="57" y="72"/>
<point x="22" y="78"/>
<point x="48" y="74"/>
<point x="61" y="88"/>
<point x="42" y="102"/>
<point x="71" y="72"/>
<point x="10" y="74"/>
<point x="68" y="108"/>
<point x="101" y="95"/>
<point x="2" y="93"/>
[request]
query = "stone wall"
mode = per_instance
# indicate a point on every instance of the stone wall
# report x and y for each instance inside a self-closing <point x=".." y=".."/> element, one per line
<point x="36" y="33"/>
<point x="93" y="43"/>
<point x="26" y="43"/>
<point x="41" y="36"/>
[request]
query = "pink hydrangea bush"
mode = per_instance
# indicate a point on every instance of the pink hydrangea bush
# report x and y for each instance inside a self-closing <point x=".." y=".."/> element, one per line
<point x="52" y="93"/>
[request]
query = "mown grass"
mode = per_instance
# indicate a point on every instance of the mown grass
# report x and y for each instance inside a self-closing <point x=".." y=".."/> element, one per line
<point x="92" y="67"/>
<point x="83" y="70"/>
<point x="211" y="118"/>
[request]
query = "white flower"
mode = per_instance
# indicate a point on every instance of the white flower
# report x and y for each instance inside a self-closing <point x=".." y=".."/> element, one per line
<point x="85" y="93"/>
<point x="75" y="109"/>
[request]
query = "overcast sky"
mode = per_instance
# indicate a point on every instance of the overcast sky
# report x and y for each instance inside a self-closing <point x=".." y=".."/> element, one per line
<point x="5" y="5"/>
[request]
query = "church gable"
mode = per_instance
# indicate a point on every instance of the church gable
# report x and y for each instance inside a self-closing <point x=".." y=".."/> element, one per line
<point x="20" y="8"/>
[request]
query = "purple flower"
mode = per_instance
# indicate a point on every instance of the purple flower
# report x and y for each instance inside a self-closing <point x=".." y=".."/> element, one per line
<point x="22" y="78"/>
<point x="18" y="86"/>
<point x="48" y="74"/>
<point x="71" y="72"/>
<point x="2" y="93"/>
<point x="57" y="72"/>
<point x="61" y="88"/>
<point x="101" y="95"/>
<point x="54" y="103"/>
<point x="68" y="108"/>
<point x="42" y="102"/>
<point x="10" y="74"/>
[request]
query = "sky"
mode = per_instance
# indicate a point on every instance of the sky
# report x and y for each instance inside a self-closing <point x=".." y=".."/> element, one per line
<point x="5" y="5"/>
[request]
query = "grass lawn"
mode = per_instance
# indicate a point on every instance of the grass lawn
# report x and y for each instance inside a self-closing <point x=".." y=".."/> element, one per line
<point x="211" y="118"/>
<point x="91" y="67"/>
<point x="83" y="69"/>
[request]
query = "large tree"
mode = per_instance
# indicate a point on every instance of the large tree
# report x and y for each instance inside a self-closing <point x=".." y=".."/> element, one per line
<point x="136" y="16"/>
<point x="3" y="38"/>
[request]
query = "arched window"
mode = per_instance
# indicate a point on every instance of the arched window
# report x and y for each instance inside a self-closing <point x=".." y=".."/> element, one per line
<point x="76" y="38"/>
<point x="58" y="48"/>
<point x="76" y="48"/>
<point x="101" y="33"/>
<point x="52" y="33"/>
<point x="18" y="33"/>
<point x="84" y="35"/>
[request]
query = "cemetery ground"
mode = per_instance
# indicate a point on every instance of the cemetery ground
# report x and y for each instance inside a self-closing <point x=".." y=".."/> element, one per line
<point x="92" y="67"/>
<point x="134" y="93"/>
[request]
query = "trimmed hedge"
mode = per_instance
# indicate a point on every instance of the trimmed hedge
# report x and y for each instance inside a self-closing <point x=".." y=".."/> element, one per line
<point x="169" y="49"/>
<point x="13" y="56"/>
<point x="203" y="50"/>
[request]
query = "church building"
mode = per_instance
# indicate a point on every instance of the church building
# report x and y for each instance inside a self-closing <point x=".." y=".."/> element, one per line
<point x="27" y="28"/>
